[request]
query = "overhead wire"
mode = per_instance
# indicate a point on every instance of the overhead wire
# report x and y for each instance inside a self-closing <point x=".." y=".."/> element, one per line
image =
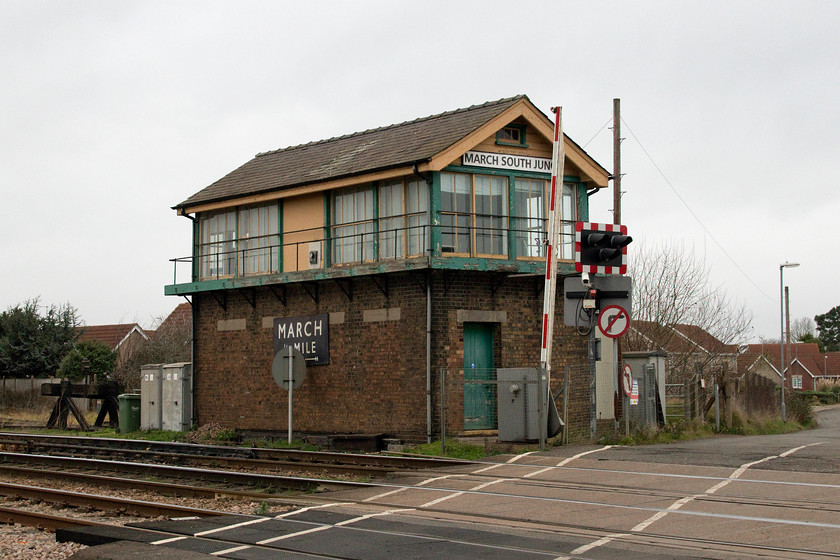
<point x="693" y="214"/>
<point x="600" y="130"/>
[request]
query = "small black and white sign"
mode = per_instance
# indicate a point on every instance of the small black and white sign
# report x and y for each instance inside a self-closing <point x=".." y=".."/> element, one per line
<point x="308" y="334"/>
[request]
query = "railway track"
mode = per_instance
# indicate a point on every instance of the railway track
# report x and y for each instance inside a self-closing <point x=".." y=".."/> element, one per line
<point x="247" y="458"/>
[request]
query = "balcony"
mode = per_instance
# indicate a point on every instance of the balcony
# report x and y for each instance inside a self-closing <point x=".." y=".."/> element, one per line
<point x="460" y="242"/>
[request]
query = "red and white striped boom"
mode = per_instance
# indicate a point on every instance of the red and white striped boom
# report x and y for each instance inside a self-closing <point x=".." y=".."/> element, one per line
<point x="557" y="162"/>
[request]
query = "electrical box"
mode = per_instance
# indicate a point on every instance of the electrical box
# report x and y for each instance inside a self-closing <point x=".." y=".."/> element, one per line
<point x="518" y="411"/>
<point x="151" y="388"/>
<point x="176" y="397"/>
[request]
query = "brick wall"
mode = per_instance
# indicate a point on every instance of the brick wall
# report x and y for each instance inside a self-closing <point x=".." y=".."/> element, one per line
<point x="376" y="379"/>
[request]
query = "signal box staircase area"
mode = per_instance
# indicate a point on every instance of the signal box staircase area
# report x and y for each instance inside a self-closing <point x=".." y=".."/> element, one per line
<point x="416" y="249"/>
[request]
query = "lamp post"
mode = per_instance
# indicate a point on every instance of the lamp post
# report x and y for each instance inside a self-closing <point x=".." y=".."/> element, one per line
<point x="782" y="268"/>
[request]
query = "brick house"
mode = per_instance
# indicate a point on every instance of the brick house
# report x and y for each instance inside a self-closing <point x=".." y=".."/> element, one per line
<point x="690" y="350"/>
<point x="124" y="339"/>
<point x="805" y="365"/>
<point x="400" y="260"/>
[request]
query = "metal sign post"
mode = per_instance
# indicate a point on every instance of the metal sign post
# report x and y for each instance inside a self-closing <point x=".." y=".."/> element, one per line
<point x="289" y="371"/>
<point x="626" y="389"/>
<point x="290" y="357"/>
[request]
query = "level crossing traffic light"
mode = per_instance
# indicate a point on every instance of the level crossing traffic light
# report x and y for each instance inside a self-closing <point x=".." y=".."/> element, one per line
<point x="601" y="248"/>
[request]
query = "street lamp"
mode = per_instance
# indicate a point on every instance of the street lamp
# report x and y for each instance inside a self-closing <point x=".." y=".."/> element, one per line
<point x="782" y="268"/>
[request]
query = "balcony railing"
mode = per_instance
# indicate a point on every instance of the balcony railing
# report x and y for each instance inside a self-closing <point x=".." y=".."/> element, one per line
<point x="310" y="249"/>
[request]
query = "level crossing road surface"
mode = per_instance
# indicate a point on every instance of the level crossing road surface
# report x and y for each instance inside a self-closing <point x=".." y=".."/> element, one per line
<point x="727" y="497"/>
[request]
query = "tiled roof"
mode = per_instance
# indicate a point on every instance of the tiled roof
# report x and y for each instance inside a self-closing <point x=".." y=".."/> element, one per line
<point x="181" y="315"/>
<point x="362" y="152"/>
<point x="678" y="339"/>
<point x="807" y="355"/>
<point x="110" y="335"/>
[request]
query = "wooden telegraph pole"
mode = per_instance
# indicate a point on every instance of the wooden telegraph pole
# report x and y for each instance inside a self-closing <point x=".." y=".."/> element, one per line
<point x="616" y="161"/>
<point x="625" y="401"/>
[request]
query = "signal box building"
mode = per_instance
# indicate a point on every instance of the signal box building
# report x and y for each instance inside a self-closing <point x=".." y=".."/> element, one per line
<point x="404" y="262"/>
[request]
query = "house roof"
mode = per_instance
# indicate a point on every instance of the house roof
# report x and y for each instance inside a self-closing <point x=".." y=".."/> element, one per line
<point x="110" y="335"/>
<point x="800" y="357"/>
<point x="390" y="147"/>
<point x="180" y="316"/>
<point x="678" y="339"/>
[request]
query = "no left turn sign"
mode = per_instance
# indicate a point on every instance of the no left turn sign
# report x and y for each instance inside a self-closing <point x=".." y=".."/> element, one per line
<point x="613" y="321"/>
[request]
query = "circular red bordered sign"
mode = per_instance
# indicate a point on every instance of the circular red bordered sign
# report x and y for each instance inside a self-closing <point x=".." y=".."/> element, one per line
<point x="613" y="321"/>
<point x="627" y="380"/>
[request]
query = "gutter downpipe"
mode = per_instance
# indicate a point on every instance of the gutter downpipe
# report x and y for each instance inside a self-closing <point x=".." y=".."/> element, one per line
<point x="194" y="220"/>
<point x="428" y="325"/>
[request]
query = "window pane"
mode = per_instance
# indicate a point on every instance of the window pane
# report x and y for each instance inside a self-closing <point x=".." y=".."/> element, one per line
<point x="417" y="208"/>
<point x="568" y="215"/>
<point x="490" y="215"/>
<point x="391" y="229"/>
<point x="353" y="225"/>
<point x="531" y="223"/>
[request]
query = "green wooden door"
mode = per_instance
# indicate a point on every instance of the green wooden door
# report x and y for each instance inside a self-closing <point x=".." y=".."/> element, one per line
<point x="479" y="374"/>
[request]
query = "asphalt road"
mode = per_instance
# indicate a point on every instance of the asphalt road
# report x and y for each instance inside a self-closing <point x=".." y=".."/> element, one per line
<point x="773" y="497"/>
<point x="822" y="455"/>
<point x="727" y="497"/>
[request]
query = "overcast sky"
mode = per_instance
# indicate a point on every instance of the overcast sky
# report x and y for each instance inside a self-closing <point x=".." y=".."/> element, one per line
<point x="113" y="112"/>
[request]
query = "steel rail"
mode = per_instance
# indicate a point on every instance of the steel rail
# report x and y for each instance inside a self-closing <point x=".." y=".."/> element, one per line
<point x="43" y="521"/>
<point x="163" y="488"/>
<point x="31" y="442"/>
<point x="210" y="475"/>
<point x="140" y="508"/>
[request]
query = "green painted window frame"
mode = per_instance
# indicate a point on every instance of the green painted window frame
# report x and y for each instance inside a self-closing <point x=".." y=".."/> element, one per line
<point x="435" y="206"/>
<point x="522" y="139"/>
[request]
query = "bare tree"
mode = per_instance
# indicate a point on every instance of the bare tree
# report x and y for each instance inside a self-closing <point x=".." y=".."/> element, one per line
<point x="675" y="303"/>
<point x="801" y="328"/>
<point x="170" y="343"/>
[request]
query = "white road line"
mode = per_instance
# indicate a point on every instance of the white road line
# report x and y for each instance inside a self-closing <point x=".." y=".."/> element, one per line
<point x="403" y="489"/>
<point x="600" y="542"/>
<point x="456" y="494"/>
<point x="325" y="527"/>
<point x="567" y="460"/>
<point x="510" y="461"/>
<point x="369" y="515"/>
<point x="795" y="449"/>
<point x="297" y="534"/>
<point x="169" y="540"/>
<point x="734" y="476"/>
<point x="234" y="526"/>
<point x="517" y="457"/>
<point x="490" y="468"/>
<point x="230" y="550"/>
<point x="301" y="510"/>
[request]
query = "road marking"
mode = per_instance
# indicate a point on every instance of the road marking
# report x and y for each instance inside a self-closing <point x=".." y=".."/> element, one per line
<point x="567" y="460"/>
<point x="369" y="515"/>
<point x="234" y="526"/>
<point x="456" y="494"/>
<point x="169" y="540"/>
<point x="510" y="461"/>
<point x="734" y="476"/>
<point x="600" y="542"/>
<point x="302" y="510"/>
<point x="297" y="534"/>
<point x="404" y="488"/>
<point x="230" y="550"/>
